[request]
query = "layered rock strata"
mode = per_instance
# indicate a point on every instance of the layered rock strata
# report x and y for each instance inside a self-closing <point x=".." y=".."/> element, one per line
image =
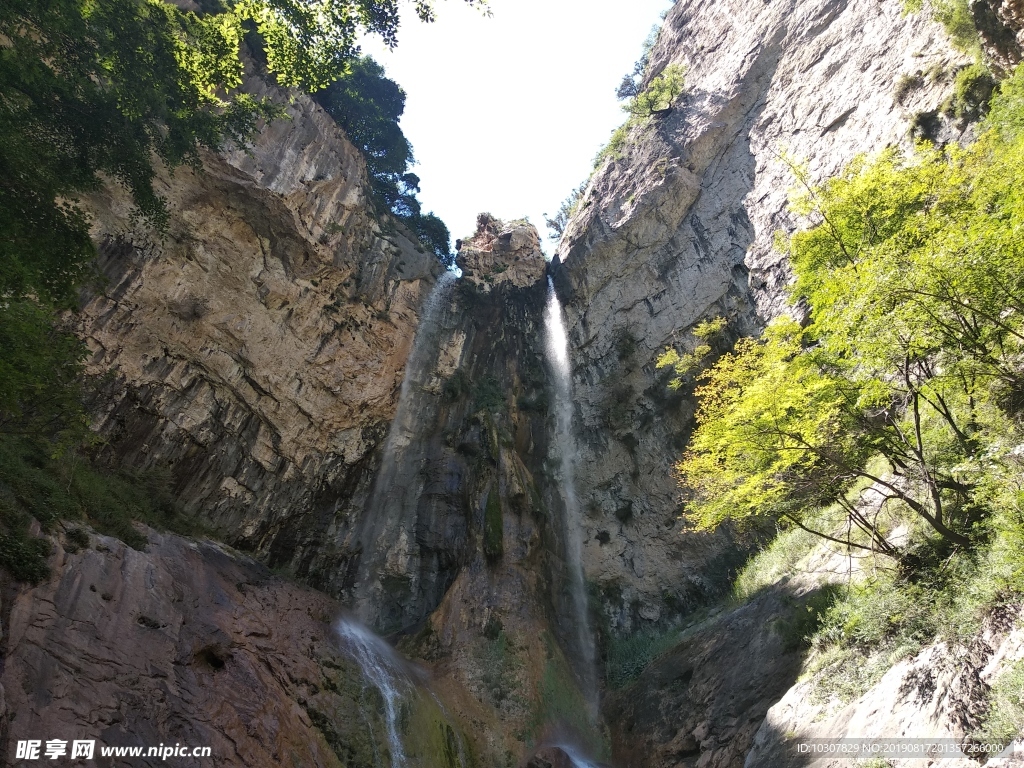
<point x="255" y="349"/>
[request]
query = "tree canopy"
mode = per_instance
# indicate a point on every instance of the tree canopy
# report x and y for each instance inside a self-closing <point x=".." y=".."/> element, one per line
<point x="913" y="270"/>
<point x="368" y="106"/>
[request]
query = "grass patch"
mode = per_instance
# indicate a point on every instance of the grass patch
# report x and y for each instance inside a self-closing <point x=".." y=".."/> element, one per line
<point x="630" y="655"/>
<point x="892" y="614"/>
<point x="37" y="484"/>
<point x="775" y="562"/>
<point x="1004" y="720"/>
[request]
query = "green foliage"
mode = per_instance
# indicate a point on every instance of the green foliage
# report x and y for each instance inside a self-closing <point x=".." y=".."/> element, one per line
<point x="774" y="562"/>
<point x="797" y="630"/>
<point x="40" y="367"/>
<point x="686" y="365"/>
<point x="658" y="96"/>
<point x="488" y="395"/>
<point x="955" y="16"/>
<point x="1004" y="719"/>
<point x="455" y="386"/>
<point x="368" y="106"/>
<point x="95" y="91"/>
<point x="630" y="655"/>
<point x="660" y="93"/>
<point x="906" y="85"/>
<point x="565" y="211"/>
<point x="36" y="483"/>
<point x="913" y="271"/>
<point x="629" y="88"/>
<point x="616" y="146"/>
<point x="775" y="437"/>
<point x="972" y="91"/>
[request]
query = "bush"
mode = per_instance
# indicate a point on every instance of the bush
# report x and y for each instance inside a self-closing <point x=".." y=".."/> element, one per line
<point x="36" y="482"/>
<point x="972" y="91"/>
<point x="660" y="94"/>
<point x="1004" y="718"/>
<point x="906" y="85"/>
<point x="487" y="395"/>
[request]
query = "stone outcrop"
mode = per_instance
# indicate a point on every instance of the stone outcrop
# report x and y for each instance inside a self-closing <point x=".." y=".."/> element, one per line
<point x="1000" y="25"/>
<point x="677" y="225"/>
<point x="939" y="693"/>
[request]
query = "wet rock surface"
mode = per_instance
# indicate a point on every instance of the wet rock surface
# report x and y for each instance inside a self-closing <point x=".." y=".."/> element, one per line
<point x="185" y="643"/>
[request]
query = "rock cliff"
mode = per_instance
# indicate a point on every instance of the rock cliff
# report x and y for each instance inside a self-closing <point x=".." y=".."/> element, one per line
<point x="677" y="226"/>
<point x="192" y="644"/>
<point x="256" y="349"/>
<point x="326" y="399"/>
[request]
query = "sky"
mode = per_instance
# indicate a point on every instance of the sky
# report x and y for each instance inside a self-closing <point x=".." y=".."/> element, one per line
<point x="505" y="113"/>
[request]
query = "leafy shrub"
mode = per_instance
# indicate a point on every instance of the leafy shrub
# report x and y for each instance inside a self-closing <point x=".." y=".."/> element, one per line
<point x="35" y="483"/>
<point x="565" y="211"/>
<point x="455" y="386"/>
<point x="487" y="395"/>
<point x="1004" y="718"/>
<point x="972" y="91"/>
<point x="630" y="655"/>
<point x="660" y="94"/>
<point x="906" y="85"/>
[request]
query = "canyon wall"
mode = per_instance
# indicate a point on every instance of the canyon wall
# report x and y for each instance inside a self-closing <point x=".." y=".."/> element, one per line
<point x="677" y="226"/>
<point x="255" y="349"/>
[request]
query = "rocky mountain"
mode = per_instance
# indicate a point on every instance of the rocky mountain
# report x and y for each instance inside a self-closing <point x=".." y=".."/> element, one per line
<point x="331" y="404"/>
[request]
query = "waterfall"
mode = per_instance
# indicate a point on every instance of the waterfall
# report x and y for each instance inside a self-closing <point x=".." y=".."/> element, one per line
<point x="386" y="533"/>
<point x="382" y="668"/>
<point x="564" y="448"/>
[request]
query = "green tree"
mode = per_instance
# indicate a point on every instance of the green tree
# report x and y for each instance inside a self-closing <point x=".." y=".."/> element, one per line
<point x="368" y="106"/>
<point x="914" y="272"/>
<point x="660" y="93"/>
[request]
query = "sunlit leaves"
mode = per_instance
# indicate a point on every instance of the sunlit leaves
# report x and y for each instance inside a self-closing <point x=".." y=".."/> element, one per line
<point x="913" y="268"/>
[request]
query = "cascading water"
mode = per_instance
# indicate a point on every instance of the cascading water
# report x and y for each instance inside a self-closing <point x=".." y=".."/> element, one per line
<point x="382" y="668"/>
<point x="392" y="502"/>
<point x="564" y="446"/>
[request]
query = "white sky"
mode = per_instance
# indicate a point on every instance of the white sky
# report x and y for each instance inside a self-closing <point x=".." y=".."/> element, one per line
<point x="506" y="113"/>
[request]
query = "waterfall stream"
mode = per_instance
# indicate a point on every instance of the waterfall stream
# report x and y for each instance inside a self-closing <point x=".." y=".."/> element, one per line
<point x="391" y="506"/>
<point x="564" y="448"/>
<point x="382" y="668"/>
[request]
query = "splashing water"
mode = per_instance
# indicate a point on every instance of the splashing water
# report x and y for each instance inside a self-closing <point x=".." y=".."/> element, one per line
<point x="383" y="670"/>
<point x="564" y="446"/>
<point x="577" y="760"/>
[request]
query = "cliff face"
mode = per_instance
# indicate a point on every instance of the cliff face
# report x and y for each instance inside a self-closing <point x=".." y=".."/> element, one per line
<point x="194" y="645"/>
<point x="256" y="349"/>
<point x="677" y="226"/>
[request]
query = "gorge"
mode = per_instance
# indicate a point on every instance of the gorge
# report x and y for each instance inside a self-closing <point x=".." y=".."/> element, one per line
<point x="437" y="520"/>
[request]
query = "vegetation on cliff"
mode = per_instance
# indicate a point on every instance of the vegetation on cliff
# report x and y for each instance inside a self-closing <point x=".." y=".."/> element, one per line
<point x="99" y="93"/>
<point x="891" y="420"/>
<point x="368" y="106"/>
